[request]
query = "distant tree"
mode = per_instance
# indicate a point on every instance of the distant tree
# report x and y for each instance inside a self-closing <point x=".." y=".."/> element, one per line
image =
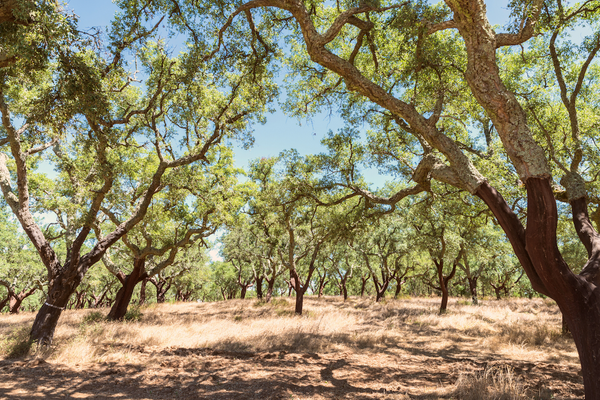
<point x="194" y="277"/>
<point x="344" y="267"/>
<point x="21" y="272"/>
<point x="288" y="189"/>
<point x="225" y="279"/>
<point x="382" y="245"/>
<point x="199" y="199"/>
<point x="503" y="276"/>
<point x="437" y="231"/>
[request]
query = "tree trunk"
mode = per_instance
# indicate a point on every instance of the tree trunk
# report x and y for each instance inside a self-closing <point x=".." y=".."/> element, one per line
<point x="578" y="299"/>
<point x="473" y="290"/>
<point x="444" y="304"/>
<point x="498" y="290"/>
<point x="162" y="288"/>
<point x="80" y="300"/>
<point x="380" y="290"/>
<point x="398" y="289"/>
<point x="243" y="291"/>
<point x="98" y="300"/>
<point x="60" y="288"/>
<point x="344" y="289"/>
<point x="270" y="285"/>
<point x="297" y="285"/>
<point x="15" y="304"/>
<point x="119" y="308"/>
<point x="444" y="282"/>
<point x="299" y="301"/>
<point x="565" y="328"/>
<point x="15" y="300"/>
<point x="363" y="285"/>
<point x="322" y="284"/>
<point x="47" y="317"/>
<point x="259" y="290"/>
<point x="143" y="292"/>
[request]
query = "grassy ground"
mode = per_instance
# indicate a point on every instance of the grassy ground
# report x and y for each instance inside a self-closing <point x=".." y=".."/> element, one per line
<point x="401" y="349"/>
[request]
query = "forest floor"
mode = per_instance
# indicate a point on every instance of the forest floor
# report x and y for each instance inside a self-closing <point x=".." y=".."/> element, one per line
<point x="245" y="349"/>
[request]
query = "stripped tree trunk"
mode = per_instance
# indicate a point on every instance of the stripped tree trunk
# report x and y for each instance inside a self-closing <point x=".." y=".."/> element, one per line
<point x="125" y="293"/>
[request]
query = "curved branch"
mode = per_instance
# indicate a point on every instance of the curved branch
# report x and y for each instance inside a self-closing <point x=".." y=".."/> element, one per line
<point x="526" y="31"/>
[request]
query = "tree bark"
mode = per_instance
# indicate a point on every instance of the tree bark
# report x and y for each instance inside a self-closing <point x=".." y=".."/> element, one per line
<point x="299" y="302"/>
<point x="444" y="281"/>
<point x="398" y="289"/>
<point x="14" y="304"/>
<point x="344" y="288"/>
<point x="61" y="285"/>
<point x="125" y="293"/>
<point x="143" y="292"/>
<point x="270" y="285"/>
<point x="47" y="317"/>
<point x="259" y="289"/>
<point x="80" y="300"/>
<point x="578" y="299"/>
<point x="380" y="289"/>
<point x="15" y="300"/>
<point x="497" y="290"/>
<point x="98" y="300"/>
<point x="162" y="287"/>
<point x="322" y="284"/>
<point x="363" y="284"/>
<point x="473" y="289"/>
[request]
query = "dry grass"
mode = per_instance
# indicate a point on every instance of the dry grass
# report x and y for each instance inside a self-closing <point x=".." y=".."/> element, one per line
<point x="396" y="331"/>
<point x="495" y="383"/>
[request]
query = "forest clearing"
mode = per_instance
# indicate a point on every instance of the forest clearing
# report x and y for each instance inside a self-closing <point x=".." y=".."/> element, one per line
<point x="400" y="150"/>
<point x="247" y="349"/>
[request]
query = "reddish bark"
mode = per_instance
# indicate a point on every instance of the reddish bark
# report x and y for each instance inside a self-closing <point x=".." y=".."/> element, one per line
<point x="381" y="283"/>
<point x="244" y="284"/>
<point x="473" y="288"/>
<point x="270" y="286"/>
<point x="125" y="293"/>
<point x="98" y="300"/>
<point x="162" y="287"/>
<point x="363" y="285"/>
<point x="143" y="291"/>
<point x="60" y="288"/>
<point x="399" y="283"/>
<point x="577" y="298"/>
<point x="259" y="290"/>
<point x="444" y="281"/>
<point x="79" y="301"/>
<point x="322" y="281"/>
<point x="343" y="282"/>
<point x="400" y="278"/>
<point x="16" y="299"/>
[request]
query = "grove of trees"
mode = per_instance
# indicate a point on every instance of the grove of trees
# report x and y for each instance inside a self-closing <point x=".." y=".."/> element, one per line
<point x="117" y="155"/>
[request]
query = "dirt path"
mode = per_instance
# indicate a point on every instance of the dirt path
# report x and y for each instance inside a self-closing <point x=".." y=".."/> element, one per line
<point x="181" y="373"/>
<point x="339" y="350"/>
